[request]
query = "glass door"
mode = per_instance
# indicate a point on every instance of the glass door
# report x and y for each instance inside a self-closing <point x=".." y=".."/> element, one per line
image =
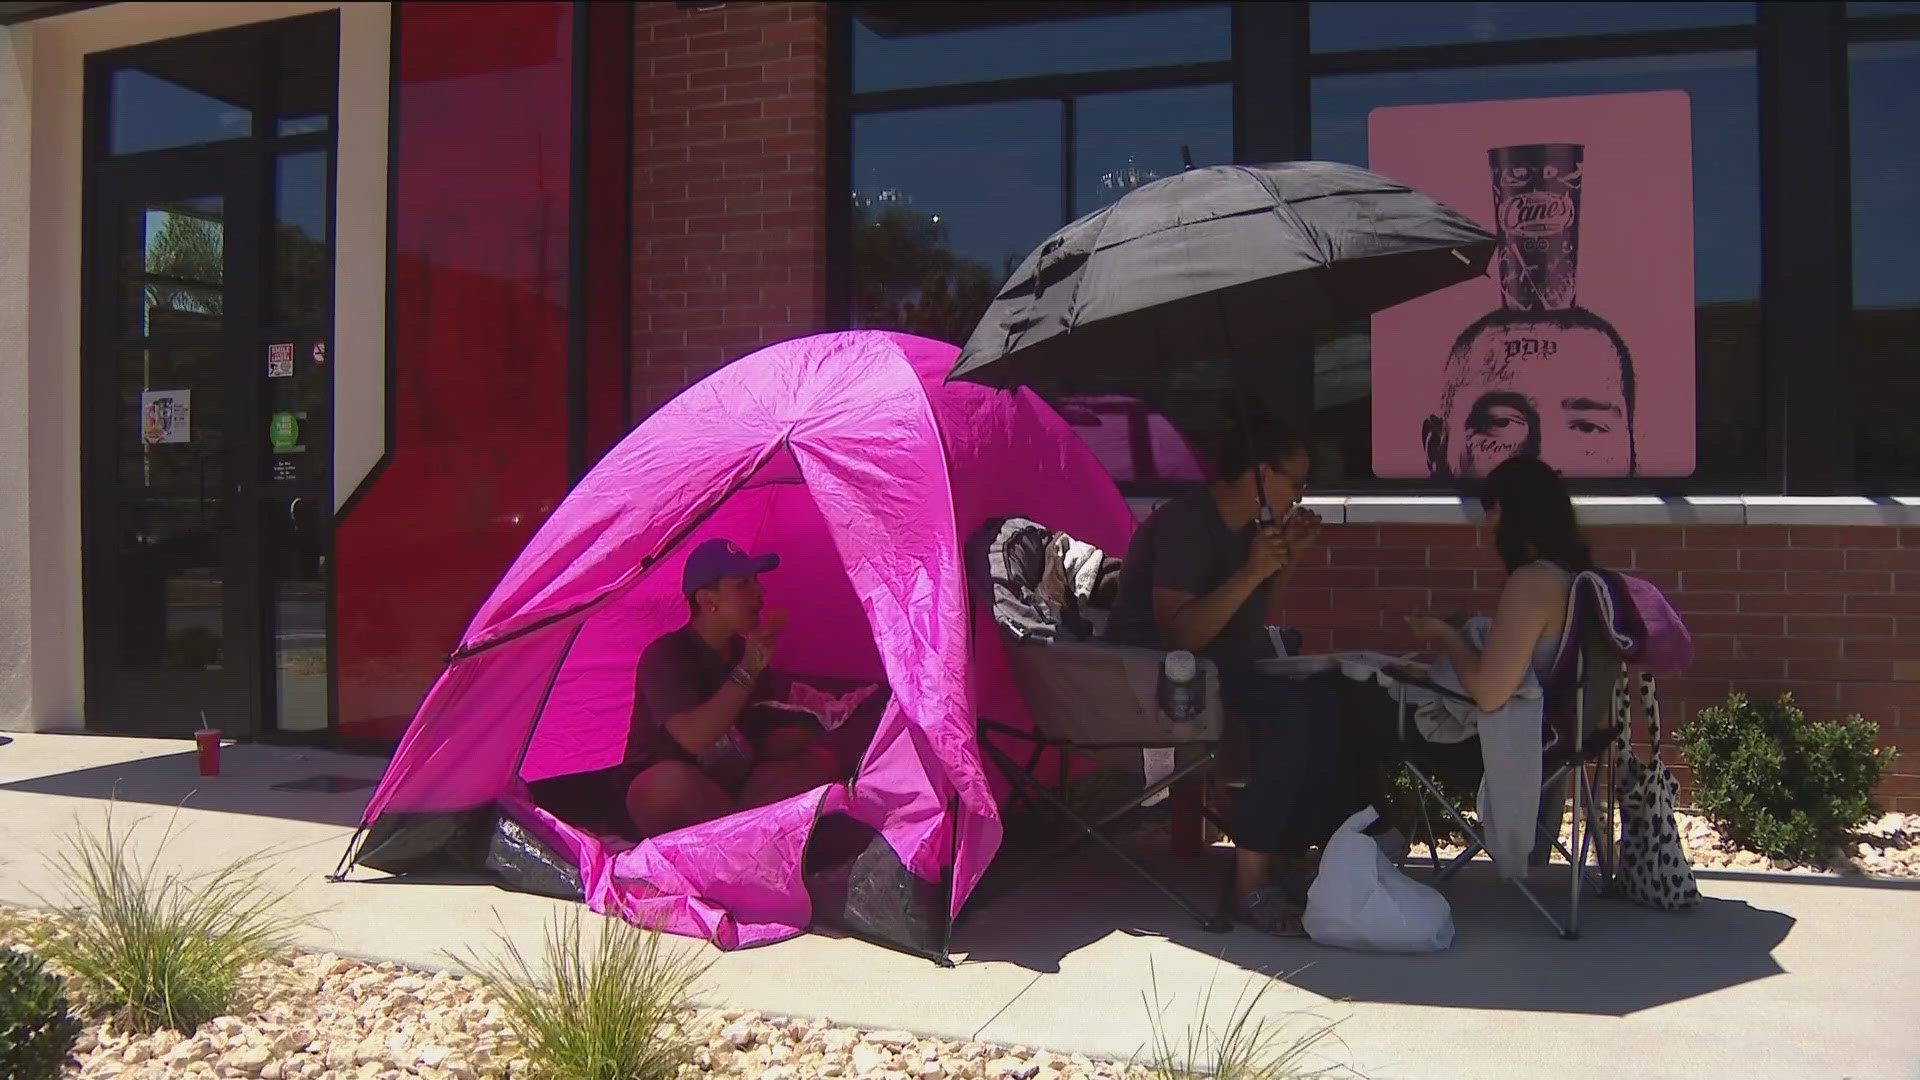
<point x="172" y="529"/>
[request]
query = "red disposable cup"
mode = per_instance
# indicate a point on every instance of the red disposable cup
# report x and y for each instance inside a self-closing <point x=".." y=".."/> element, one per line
<point x="209" y="740"/>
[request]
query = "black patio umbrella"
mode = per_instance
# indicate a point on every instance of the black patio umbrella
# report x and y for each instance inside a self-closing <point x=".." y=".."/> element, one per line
<point x="1212" y="261"/>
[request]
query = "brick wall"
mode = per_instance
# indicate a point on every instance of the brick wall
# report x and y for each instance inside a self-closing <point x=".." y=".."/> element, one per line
<point x="729" y="186"/>
<point x="1830" y="613"/>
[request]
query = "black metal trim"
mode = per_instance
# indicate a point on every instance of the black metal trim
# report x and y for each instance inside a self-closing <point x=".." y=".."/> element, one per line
<point x="1043" y="86"/>
<point x="1872" y="27"/>
<point x="1554" y="50"/>
<point x="1806" y="275"/>
<point x="1068" y="164"/>
<point x="330" y="615"/>
<point x="1273" y="121"/>
<point x="625" y="27"/>
<point x="577" y="390"/>
<point x="910" y="20"/>
<point x="839" y="168"/>
<point x="391" y="397"/>
<point x="48" y="11"/>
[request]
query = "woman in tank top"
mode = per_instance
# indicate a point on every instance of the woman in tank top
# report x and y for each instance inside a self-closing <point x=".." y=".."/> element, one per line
<point x="1539" y="543"/>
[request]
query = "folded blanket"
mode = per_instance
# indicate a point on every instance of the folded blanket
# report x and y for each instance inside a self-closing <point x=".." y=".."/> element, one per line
<point x="1509" y="804"/>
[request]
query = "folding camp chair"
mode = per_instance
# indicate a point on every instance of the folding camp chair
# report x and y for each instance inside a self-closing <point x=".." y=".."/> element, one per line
<point x="1088" y="699"/>
<point x="1580" y="725"/>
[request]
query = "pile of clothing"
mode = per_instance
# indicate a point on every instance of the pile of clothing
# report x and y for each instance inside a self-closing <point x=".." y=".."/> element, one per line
<point x="1047" y="586"/>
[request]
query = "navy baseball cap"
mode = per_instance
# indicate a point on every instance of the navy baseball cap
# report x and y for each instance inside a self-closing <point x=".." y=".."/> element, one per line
<point x="721" y="558"/>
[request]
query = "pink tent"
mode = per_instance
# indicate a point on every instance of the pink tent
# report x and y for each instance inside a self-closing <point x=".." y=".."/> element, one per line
<point x="1133" y="443"/>
<point x="849" y="456"/>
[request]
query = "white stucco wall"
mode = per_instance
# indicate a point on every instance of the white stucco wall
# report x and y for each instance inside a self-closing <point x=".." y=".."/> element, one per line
<point x="16" y="552"/>
<point x="41" y="112"/>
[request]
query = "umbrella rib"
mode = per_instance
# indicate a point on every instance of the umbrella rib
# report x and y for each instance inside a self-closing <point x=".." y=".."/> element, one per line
<point x="1073" y="301"/>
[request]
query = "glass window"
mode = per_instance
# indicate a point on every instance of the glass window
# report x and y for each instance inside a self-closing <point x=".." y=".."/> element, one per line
<point x="1726" y="212"/>
<point x="1884" y="8"/>
<point x="1885" y="89"/>
<point x="150" y="111"/>
<point x="1121" y="141"/>
<point x="171" y="520"/>
<point x="945" y="203"/>
<point x="173" y="276"/>
<point x="308" y="77"/>
<point x="1185" y="34"/>
<point x="1345" y="27"/>
<point x="301" y="268"/>
<point x="300" y="125"/>
<point x="294" y="531"/>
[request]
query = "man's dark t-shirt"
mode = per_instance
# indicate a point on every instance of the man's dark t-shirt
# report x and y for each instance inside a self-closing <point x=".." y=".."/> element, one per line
<point x="676" y="673"/>
<point x="1187" y="546"/>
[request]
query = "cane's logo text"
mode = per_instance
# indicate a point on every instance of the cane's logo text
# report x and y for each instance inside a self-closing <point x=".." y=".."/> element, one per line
<point x="1536" y="213"/>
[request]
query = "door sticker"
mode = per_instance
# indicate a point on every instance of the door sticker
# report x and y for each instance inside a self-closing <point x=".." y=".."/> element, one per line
<point x="280" y="361"/>
<point x="284" y="430"/>
<point x="166" y="416"/>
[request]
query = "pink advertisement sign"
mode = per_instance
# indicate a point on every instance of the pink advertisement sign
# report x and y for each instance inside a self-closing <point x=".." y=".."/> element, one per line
<point x="1578" y="344"/>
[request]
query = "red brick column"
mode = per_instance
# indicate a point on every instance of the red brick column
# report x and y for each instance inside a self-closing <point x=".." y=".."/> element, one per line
<point x="729" y="186"/>
<point x="1829" y="613"/>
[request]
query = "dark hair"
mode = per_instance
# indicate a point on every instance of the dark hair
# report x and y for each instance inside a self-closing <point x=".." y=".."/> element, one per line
<point x="1253" y="435"/>
<point x="1536" y="516"/>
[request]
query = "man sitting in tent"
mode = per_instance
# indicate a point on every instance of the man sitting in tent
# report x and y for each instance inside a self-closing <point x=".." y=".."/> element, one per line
<point x="704" y="743"/>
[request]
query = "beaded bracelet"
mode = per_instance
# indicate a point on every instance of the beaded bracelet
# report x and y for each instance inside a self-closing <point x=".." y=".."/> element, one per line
<point x="740" y="678"/>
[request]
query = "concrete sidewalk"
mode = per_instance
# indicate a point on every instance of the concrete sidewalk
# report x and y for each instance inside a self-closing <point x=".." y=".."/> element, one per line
<point x="1774" y="976"/>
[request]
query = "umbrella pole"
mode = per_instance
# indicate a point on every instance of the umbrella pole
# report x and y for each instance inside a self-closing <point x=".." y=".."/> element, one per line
<point x="1253" y="455"/>
<point x="1246" y="415"/>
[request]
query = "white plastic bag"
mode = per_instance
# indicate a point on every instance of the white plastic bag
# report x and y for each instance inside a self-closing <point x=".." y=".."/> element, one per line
<point x="1360" y="900"/>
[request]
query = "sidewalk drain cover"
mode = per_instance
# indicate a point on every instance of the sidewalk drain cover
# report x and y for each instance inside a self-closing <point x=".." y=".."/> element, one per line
<point x="331" y="785"/>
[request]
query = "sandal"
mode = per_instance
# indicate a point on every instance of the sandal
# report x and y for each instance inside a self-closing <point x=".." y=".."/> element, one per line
<point x="1272" y="910"/>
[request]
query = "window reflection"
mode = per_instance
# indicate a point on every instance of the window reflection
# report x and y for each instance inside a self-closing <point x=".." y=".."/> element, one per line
<point x="1730" y="426"/>
<point x="156" y="112"/>
<point x="295" y="534"/>
<point x="171" y="512"/>
<point x="1122" y="141"/>
<point x="1885" y="88"/>
<point x="173" y="277"/>
<point x="1344" y="27"/>
<point x="301" y="268"/>
<point x="945" y="203"/>
<point x="1182" y="34"/>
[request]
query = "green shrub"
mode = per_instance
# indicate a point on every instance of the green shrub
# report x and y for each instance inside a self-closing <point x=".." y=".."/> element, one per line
<point x="1778" y="784"/>
<point x="1401" y="796"/>
<point x="36" y="1030"/>
<point x="154" y="948"/>
<point x="612" y="1017"/>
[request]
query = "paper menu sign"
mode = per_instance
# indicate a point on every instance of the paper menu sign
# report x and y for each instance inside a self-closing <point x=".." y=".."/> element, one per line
<point x="166" y="416"/>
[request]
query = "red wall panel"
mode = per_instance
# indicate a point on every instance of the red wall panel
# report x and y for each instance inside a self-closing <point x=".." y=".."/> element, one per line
<point x="478" y="456"/>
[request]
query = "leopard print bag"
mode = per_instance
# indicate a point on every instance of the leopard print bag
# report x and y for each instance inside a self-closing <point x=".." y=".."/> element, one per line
<point x="1652" y="861"/>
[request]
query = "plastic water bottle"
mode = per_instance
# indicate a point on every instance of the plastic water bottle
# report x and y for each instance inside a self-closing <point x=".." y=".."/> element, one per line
<point x="1181" y="693"/>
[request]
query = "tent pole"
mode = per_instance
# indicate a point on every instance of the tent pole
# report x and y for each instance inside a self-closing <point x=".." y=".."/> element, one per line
<point x="540" y="710"/>
<point x="945" y="959"/>
<point x="349" y="857"/>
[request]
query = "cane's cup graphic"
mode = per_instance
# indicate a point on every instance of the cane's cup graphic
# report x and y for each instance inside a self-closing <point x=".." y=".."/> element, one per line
<point x="1536" y="203"/>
